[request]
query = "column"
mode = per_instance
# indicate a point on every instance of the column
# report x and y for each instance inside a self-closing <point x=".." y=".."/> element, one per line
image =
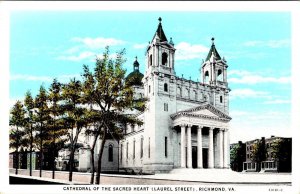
<point x="211" y="148"/>
<point x="199" y="147"/>
<point x="189" y="146"/>
<point x="225" y="137"/>
<point x="221" y="148"/>
<point x="183" y="162"/>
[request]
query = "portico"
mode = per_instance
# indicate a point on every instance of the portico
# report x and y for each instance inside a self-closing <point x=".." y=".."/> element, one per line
<point x="203" y="130"/>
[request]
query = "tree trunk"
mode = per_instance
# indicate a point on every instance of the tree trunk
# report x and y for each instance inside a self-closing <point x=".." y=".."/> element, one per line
<point x="17" y="160"/>
<point x="53" y="162"/>
<point x="93" y="160"/>
<point x="41" y="152"/>
<point x="30" y="155"/>
<point x="71" y="163"/>
<point x="100" y="157"/>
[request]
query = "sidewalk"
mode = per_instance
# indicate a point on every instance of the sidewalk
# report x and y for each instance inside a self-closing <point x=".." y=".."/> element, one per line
<point x="175" y="177"/>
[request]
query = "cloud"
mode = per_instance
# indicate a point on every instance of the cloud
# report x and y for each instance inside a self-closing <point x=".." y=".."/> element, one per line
<point x="277" y="101"/>
<point x="248" y="93"/>
<point x="99" y="42"/>
<point x="269" y="43"/>
<point x="187" y="51"/>
<point x="81" y="56"/>
<point x="245" y="77"/>
<point x="61" y="78"/>
<point x="140" y="46"/>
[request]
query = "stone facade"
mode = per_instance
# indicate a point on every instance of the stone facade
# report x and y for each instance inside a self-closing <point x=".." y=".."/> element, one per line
<point x="186" y="122"/>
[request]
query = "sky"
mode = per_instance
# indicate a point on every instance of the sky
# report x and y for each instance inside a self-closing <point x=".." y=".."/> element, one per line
<point x="257" y="46"/>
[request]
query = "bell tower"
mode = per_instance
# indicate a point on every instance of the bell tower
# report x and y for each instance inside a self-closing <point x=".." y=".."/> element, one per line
<point x="160" y="53"/>
<point x="214" y="68"/>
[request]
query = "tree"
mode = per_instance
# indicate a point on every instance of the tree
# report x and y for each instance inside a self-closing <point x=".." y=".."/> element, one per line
<point x="237" y="157"/>
<point x="56" y="128"/>
<point x="42" y="118"/>
<point x="106" y="89"/>
<point x="29" y="122"/>
<point x="281" y="152"/>
<point x="258" y="153"/>
<point x="16" y="135"/>
<point x="74" y="116"/>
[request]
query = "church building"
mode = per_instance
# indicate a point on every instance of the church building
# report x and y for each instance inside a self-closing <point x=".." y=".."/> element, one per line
<point x="186" y="123"/>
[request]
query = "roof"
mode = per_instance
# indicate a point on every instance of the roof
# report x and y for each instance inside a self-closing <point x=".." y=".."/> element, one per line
<point x="214" y="51"/>
<point x="135" y="77"/>
<point x="160" y="32"/>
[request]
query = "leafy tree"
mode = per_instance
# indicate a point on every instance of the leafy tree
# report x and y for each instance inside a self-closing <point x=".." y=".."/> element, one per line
<point x="281" y="152"/>
<point x="42" y="118"/>
<point x="258" y="153"/>
<point x="74" y="116"/>
<point x="56" y="128"/>
<point x="237" y="157"/>
<point x="29" y="125"/>
<point x="16" y="135"/>
<point x="106" y="89"/>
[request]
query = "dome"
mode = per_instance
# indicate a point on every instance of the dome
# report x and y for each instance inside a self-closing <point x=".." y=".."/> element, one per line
<point x="135" y="77"/>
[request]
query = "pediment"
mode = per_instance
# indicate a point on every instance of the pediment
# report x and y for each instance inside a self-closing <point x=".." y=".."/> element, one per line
<point x="205" y="111"/>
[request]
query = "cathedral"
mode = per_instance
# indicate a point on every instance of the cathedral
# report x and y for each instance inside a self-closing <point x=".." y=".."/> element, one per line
<point x="186" y="123"/>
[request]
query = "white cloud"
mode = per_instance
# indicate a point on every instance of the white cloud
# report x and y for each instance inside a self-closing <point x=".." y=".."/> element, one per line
<point x="81" y="56"/>
<point x="30" y="78"/>
<point x="277" y="101"/>
<point x="245" y="77"/>
<point x="61" y="78"/>
<point x="186" y="51"/>
<point x="269" y="43"/>
<point x="140" y="46"/>
<point x="99" y="42"/>
<point x="248" y="93"/>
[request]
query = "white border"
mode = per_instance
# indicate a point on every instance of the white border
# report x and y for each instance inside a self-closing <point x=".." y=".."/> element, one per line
<point x="259" y="6"/>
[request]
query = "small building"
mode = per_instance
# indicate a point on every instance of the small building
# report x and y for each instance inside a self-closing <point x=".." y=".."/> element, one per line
<point x="275" y="155"/>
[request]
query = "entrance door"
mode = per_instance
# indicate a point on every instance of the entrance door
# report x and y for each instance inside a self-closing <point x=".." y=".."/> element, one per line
<point x="205" y="157"/>
<point x="194" y="157"/>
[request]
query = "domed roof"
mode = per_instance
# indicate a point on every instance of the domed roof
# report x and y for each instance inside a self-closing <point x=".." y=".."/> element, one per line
<point x="135" y="77"/>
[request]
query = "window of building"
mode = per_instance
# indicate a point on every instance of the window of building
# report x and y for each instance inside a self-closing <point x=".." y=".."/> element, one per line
<point x="166" y="87"/>
<point x="127" y="150"/>
<point x="150" y="60"/>
<point x="221" y="99"/>
<point x="133" y="152"/>
<point x="110" y="153"/>
<point x="164" y="58"/>
<point x="142" y="145"/>
<point x="149" y="148"/>
<point x="166" y="107"/>
<point x="121" y="152"/>
<point x="149" y="89"/>
<point x="220" y="75"/>
<point x="206" y="77"/>
<point x="166" y="147"/>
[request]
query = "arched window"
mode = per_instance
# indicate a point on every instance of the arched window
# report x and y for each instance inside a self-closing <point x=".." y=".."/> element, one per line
<point x="110" y="152"/>
<point x="195" y="95"/>
<point x="221" y="99"/>
<point x="150" y="60"/>
<point x="179" y="92"/>
<point x="206" y="77"/>
<point x="164" y="58"/>
<point x="219" y="75"/>
<point x="149" y="89"/>
<point x="166" y="87"/>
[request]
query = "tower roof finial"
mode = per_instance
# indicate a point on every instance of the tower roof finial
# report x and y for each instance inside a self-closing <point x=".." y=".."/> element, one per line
<point x="159" y="19"/>
<point x="213" y="40"/>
